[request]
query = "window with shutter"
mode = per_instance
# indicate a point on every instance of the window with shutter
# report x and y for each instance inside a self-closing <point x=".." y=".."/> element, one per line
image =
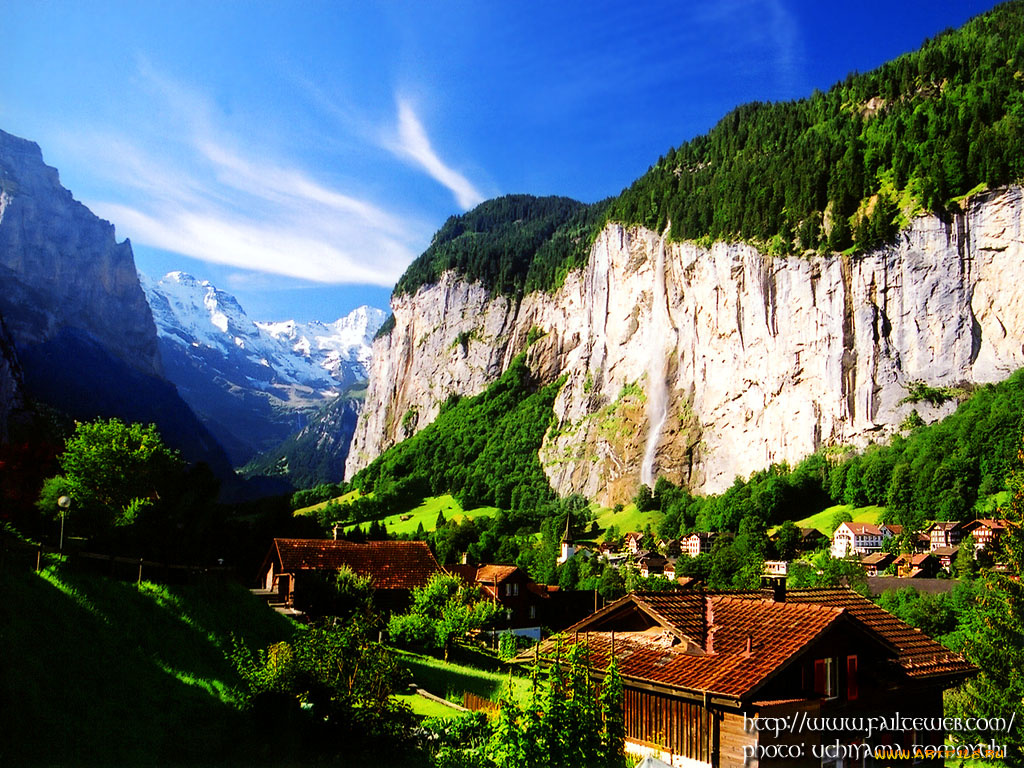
<point x="851" y="678"/>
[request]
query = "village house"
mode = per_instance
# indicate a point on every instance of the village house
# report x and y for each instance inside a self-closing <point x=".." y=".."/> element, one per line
<point x="946" y="556"/>
<point x="986" y="532"/>
<point x="396" y="567"/>
<point x="697" y="543"/>
<point x="810" y="540"/>
<point x="631" y="541"/>
<point x="876" y="563"/>
<point x="923" y="565"/>
<point x="858" y="539"/>
<point x="519" y="599"/>
<point x="776" y="567"/>
<point x="669" y="571"/>
<point x="698" y="668"/>
<point x="944" y="534"/>
<point x="670" y="547"/>
<point x="651" y="564"/>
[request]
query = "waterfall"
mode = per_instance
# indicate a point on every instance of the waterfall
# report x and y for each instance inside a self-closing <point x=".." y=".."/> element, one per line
<point x="658" y="343"/>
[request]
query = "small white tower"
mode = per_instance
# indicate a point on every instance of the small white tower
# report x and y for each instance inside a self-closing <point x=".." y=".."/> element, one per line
<point x="568" y="547"/>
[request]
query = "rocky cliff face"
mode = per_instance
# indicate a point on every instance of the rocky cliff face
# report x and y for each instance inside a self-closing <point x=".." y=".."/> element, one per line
<point x="61" y="266"/>
<point x="75" y="311"/>
<point x="11" y="401"/>
<point x="763" y="359"/>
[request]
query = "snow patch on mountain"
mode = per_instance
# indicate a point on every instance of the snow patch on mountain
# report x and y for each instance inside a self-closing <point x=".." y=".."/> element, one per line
<point x="195" y="315"/>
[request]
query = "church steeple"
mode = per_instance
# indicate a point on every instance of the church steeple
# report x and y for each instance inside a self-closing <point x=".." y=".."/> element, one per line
<point x="568" y="546"/>
<point x="567" y="536"/>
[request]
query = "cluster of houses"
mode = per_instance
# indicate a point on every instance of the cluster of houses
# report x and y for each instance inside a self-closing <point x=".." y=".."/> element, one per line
<point x="701" y="668"/>
<point x="934" y="549"/>
<point x="660" y="561"/>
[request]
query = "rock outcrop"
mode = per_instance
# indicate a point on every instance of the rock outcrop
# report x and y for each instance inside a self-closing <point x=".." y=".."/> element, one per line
<point x="61" y="266"/>
<point x="75" y="311"/>
<point x="766" y="359"/>
<point x="11" y="400"/>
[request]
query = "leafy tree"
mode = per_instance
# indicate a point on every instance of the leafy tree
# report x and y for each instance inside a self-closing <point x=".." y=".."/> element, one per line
<point x="343" y="594"/>
<point x="644" y="499"/>
<point x="114" y="473"/>
<point x="787" y="540"/>
<point x="839" y="517"/>
<point x="994" y="637"/>
<point x="338" y="680"/>
<point x="611" y="586"/>
<point x="565" y="723"/>
<point x="443" y="610"/>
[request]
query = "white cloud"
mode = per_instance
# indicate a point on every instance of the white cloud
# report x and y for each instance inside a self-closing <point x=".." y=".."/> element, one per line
<point x="190" y="186"/>
<point x="414" y="144"/>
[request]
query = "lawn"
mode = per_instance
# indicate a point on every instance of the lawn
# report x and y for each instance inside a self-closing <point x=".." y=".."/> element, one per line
<point x="823" y="520"/>
<point x="450" y="681"/>
<point x="426" y="513"/>
<point x="424" y="707"/>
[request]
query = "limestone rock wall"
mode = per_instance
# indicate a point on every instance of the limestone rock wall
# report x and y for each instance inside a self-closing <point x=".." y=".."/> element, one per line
<point x="60" y="265"/>
<point x="766" y="359"/>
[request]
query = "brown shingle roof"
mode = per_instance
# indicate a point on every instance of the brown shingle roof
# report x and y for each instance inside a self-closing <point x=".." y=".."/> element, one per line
<point x="718" y="626"/>
<point x="391" y="564"/>
<point x="777" y="630"/>
<point x="918" y="655"/>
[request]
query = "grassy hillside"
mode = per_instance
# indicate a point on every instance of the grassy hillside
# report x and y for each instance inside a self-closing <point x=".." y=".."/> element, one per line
<point x="100" y="672"/>
<point x="426" y="513"/>
<point x="823" y="520"/>
<point x="629" y="518"/>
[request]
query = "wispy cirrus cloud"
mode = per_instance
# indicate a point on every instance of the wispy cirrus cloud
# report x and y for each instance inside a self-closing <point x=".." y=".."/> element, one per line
<point x="197" y="187"/>
<point x="414" y="145"/>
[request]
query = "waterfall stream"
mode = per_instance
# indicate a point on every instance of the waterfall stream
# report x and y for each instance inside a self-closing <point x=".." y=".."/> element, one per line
<point x="658" y="343"/>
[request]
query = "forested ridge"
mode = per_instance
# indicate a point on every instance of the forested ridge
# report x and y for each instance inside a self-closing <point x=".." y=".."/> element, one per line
<point x="512" y="244"/>
<point x="483" y="450"/>
<point x="848" y="167"/>
<point x="839" y="170"/>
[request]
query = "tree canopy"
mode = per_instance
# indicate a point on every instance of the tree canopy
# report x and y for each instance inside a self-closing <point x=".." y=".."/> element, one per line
<point x="113" y="473"/>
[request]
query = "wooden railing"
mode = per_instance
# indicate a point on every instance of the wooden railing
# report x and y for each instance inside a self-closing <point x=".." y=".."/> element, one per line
<point x="477" y="703"/>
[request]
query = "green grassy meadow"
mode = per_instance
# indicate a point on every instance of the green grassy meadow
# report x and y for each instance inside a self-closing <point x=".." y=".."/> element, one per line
<point x="628" y="519"/>
<point x="450" y="680"/>
<point x="101" y="672"/>
<point x="822" y="520"/>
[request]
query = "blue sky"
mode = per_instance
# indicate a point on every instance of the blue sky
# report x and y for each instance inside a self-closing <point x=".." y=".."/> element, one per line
<point x="301" y="154"/>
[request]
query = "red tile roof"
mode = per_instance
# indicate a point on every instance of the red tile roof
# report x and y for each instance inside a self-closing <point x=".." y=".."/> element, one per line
<point x="391" y="564"/>
<point x="778" y="631"/>
<point x="717" y="659"/>
<point x="864" y="529"/>
<point x="917" y="654"/>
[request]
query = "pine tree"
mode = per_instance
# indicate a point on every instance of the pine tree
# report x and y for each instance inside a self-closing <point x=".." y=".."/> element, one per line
<point x="995" y="637"/>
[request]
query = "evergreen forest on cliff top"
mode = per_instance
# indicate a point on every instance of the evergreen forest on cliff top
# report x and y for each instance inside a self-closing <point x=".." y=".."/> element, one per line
<point x="837" y="171"/>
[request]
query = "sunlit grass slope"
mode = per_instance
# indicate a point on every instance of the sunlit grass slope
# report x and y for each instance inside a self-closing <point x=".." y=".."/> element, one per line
<point x="100" y="672"/>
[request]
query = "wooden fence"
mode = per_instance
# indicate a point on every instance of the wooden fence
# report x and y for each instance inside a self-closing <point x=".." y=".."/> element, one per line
<point x="15" y="553"/>
<point x="477" y="703"/>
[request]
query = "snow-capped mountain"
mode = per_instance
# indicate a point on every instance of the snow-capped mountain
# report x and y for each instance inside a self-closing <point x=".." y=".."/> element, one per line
<point x="254" y="383"/>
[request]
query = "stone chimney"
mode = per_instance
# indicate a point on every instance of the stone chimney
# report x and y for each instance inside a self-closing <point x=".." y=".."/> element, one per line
<point x="709" y="622"/>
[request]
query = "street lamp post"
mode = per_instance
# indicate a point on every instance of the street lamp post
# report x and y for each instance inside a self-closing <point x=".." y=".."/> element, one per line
<point x="63" y="502"/>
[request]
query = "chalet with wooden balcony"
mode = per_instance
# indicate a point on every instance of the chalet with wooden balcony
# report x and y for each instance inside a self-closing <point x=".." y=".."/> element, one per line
<point x="519" y="600"/>
<point x="698" y="667"/>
